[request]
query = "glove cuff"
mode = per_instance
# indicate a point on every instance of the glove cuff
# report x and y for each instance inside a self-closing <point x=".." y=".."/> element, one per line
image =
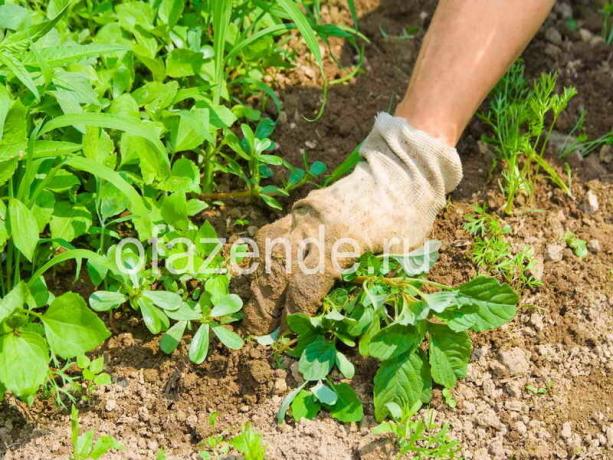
<point x="414" y="148"/>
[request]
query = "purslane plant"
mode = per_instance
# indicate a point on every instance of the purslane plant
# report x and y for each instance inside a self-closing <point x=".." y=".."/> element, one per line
<point x="417" y="329"/>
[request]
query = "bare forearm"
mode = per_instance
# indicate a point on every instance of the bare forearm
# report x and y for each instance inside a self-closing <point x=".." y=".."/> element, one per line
<point x="468" y="47"/>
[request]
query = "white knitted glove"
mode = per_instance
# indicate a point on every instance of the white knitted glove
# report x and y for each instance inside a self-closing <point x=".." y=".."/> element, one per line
<point x="388" y="202"/>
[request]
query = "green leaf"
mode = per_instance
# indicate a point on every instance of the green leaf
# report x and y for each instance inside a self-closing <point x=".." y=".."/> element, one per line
<point x="14" y="300"/>
<point x="108" y="121"/>
<point x="69" y="221"/>
<point x="317" y="168"/>
<point x="449" y="354"/>
<point x="71" y="328"/>
<point x="23" y="227"/>
<point x="317" y="359"/>
<point x="24" y="358"/>
<point x="287" y="401"/>
<point x="394" y="340"/>
<point x="305" y="405"/>
<point x="66" y="54"/>
<point x="348" y="407"/>
<point x="172" y="337"/>
<point x="229" y="338"/>
<point x="495" y="305"/>
<point x="226" y="305"/>
<point x="103" y="445"/>
<point x="324" y="394"/>
<point x="199" y="347"/>
<point x="155" y="319"/>
<point x="170" y="11"/>
<point x="164" y="299"/>
<point x="106" y="300"/>
<point x="344" y="365"/>
<point x="421" y="259"/>
<point x="404" y="380"/>
<point x="190" y="130"/>
<point x="19" y="70"/>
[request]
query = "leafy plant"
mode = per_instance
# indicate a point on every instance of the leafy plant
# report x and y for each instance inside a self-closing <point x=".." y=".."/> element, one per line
<point x="248" y="443"/>
<point x="388" y="310"/>
<point x="114" y="118"/>
<point x="492" y="252"/>
<point x="521" y="118"/>
<point x="84" y="445"/>
<point x="420" y="437"/>
<point x="578" y="245"/>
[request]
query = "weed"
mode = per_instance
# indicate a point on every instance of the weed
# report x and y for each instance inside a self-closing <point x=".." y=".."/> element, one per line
<point x="607" y="23"/>
<point x="84" y="445"/>
<point x="248" y="443"/>
<point x="578" y="141"/>
<point x="420" y="437"/>
<point x="115" y="119"/>
<point x="518" y="117"/>
<point x="388" y="310"/>
<point x="578" y="245"/>
<point x="492" y="252"/>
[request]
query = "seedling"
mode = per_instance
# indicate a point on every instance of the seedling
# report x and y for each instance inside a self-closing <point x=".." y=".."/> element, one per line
<point x="518" y="117"/>
<point x="578" y="245"/>
<point x="420" y="437"/>
<point x="492" y="252"/>
<point x="388" y="310"/>
<point x="84" y="445"/>
<point x="607" y="22"/>
<point x="248" y="443"/>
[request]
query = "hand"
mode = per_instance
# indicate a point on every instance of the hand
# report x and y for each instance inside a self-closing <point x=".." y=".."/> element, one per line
<point x="388" y="203"/>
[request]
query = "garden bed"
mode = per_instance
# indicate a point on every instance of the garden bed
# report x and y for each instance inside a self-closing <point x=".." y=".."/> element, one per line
<point x="539" y="387"/>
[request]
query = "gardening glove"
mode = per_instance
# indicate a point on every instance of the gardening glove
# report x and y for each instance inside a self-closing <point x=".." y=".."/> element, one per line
<point x="388" y="202"/>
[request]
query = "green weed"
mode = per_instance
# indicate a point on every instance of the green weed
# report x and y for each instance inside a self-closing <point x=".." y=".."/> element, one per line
<point x="248" y="443"/>
<point x="116" y="117"/>
<point x="607" y="22"/>
<point x="84" y="445"/>
<point x="492" y="252"/>
<point x="578" y="245"/>
<point x="521" y="117"/>
<point x="389" y="311"/>
<point x="420" y="437"/>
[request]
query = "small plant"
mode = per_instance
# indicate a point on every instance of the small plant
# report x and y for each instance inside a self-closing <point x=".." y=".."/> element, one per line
<point x="575" y="243"/>
<point x="578" y="141"/>
<point x="607" y="23"/>
<point x="388" y="310"/>
<point x="248" y="443"/>
<point x="84" y="445"/>
<point x="492" y="252"/>
<point x="521" y="118"/>
<point x="420" y="437"/>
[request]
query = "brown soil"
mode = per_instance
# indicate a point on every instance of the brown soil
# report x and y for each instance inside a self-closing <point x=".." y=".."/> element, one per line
<point x="563" y="329"/>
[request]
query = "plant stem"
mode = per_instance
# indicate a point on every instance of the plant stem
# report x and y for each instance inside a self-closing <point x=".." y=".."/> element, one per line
<point x="239" y="195"/>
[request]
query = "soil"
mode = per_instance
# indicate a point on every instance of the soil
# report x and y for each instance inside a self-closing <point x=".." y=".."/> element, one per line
<point x="560" y="342"/>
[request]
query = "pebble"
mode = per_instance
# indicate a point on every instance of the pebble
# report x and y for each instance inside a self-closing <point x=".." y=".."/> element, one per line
<point x="552" y="50"/>
<point x="564" y="9"/>
<point x="594" y="246"/>
<point x="488" y="418"/>
<point x="515" y="361"/>
<point x="590" y="202"/>
<point x="537" y="321"/>
<point x="554" y="252"/>
<point x="610" y="436"/>
<point x="567" y="431"/>
<point x="111" y="405"/>
<point x="606" y="154"/>
<point x="252" y="230"/>
<point x="280" y="386"/>
<point x="586" y="35"/>
<point x="538" y="268"/>
<point x="553" y="35"/>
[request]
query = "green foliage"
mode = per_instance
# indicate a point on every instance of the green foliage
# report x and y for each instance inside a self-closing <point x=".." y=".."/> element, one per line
<point x="492" y="252"/>
<point x="388" y="310"/>
<point x="84" y="445"/>
<point x="607" y="23"/>
<point x="421" y="438"/>
<point x="116" y="117"/>
<point x="578" y="245"/>
<point x="248" y="443"/>
<point x="521" y="117"/>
